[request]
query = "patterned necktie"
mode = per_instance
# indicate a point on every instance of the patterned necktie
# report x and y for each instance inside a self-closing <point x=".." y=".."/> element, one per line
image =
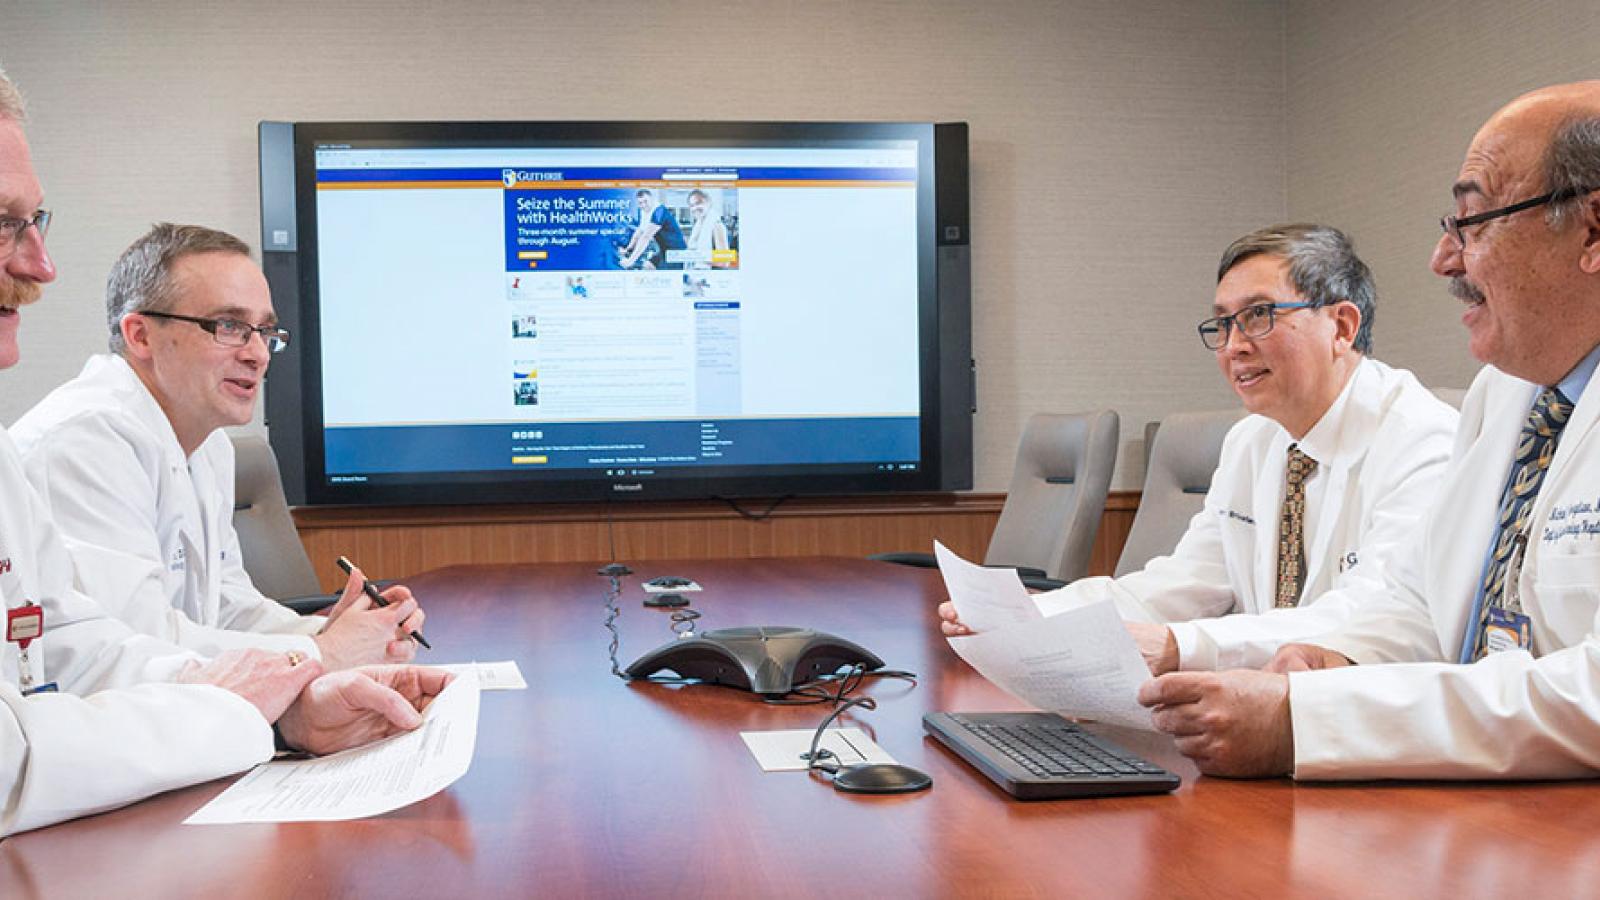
<point x="1291" y="528"/>
<point x="1535" y="448"/>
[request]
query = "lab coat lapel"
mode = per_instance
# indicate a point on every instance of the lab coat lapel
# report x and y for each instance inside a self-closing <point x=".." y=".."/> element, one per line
<point x="1469" y="512"/>
<point x="1266" y="510"/>
<point x="1579" y="429"/>
<point x="1333" y="503"/>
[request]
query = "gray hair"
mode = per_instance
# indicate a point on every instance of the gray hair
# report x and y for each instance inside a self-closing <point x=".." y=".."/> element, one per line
<point x="1323" y="266"/>
<point x="1572" y="165"/>
<point x="11" y="106"/>
<point x="141" y="280"/>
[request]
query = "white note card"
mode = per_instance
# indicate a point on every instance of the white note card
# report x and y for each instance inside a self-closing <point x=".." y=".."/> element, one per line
<point x="365" y="781"/>
<point x="780" y="751"/>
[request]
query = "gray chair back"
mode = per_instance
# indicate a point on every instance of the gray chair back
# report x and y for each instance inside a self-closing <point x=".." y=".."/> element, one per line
<point x="1452" y="396"/>
<point x="273" y="554"/>
<point x="1182" y="458"/>
<point x="1057" y="495"/>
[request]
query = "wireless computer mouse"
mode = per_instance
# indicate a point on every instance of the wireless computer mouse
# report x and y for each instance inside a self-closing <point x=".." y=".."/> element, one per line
<point x="881" y="778"/>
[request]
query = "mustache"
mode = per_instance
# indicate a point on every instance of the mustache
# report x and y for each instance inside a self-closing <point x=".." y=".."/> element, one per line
<point x="15" y="293"/>
<point x="1462" y="289"/>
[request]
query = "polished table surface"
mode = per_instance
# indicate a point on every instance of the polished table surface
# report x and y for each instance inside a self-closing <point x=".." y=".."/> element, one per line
<point x="585" y="786"/>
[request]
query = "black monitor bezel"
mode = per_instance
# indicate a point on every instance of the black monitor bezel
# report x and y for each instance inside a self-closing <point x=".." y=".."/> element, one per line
<point x="305" y="354"/>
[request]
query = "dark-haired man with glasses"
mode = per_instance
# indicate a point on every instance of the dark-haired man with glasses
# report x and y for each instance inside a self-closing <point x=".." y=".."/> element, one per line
<point x="1318" y="489"/>
<point x="132" y="458"/>
<point x="1495" y="607"/>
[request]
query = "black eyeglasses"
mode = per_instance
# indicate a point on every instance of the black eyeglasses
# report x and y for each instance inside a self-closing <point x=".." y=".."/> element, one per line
<point x="11" y="228"/>
<point x="1253" y="321"/>
<point x="1452" y="225"/>
<point x="232" y="332"/>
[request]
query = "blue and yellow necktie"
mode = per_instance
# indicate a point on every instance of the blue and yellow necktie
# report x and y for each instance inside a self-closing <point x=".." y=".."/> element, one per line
<point x="1535" y="448"/>
<point x="1291" y="528"/>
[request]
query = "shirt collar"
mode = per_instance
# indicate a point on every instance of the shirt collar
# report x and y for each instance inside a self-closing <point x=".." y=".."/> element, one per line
<point x="1577" y="380"/>
<point x="1322" y="442"/>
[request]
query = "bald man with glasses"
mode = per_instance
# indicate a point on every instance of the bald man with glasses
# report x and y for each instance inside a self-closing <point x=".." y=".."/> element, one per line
<point x="1317" y="489"/>
<point x="132" y="459"/>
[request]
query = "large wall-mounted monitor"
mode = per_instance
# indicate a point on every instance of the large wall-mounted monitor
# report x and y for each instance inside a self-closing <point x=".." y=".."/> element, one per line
<point x="514" y="311"/>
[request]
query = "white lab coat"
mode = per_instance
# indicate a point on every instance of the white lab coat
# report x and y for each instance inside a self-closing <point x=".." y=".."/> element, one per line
<point x="106" y="740"/>
<point x="1381" y="450"/>
<point x="151" y="531"/>
<point x="1514" y="714"/>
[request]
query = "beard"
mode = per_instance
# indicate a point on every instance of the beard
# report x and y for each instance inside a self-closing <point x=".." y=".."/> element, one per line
<point x="14" y="293"/>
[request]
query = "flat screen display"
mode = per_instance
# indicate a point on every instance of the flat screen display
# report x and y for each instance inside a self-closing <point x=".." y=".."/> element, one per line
<point x="523" y="311"/>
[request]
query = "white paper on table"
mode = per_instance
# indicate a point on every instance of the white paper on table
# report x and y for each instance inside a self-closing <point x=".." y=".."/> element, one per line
<point x="985" y="598"/>
<point x="492" y="676"/>
<point x="365" y="781"/>
<point x="779" y="751"/>
<point x="1080" y="663"/>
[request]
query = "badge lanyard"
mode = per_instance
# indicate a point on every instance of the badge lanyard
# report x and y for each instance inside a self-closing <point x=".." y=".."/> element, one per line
<point x="24" y="625"/>
<point x="1508" y="627"/>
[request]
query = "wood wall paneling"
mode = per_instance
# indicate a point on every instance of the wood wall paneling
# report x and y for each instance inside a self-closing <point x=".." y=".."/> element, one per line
<point x="397" y="543"/>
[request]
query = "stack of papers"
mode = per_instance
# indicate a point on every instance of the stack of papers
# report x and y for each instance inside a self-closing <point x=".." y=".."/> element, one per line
<point x="1080" y="663"/>
<point x="365" y="781"/>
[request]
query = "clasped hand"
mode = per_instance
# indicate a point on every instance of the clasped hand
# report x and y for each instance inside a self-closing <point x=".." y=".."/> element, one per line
<point x="323" y="713"/>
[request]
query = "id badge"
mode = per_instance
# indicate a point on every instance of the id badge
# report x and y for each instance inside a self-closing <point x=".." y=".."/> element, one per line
<point x="1506" y="630"/>
<point x="24" y="623"/>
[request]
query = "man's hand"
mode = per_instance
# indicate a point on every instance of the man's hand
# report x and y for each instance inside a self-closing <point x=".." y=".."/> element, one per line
<point x="1305" y="657"/>
<point x="1234" y="724"/>
<point x="360" y="632"/>
<point x="1156" y="644"/>
<point x="269" y="679"/>
<point x="950" y="623"/>
<point x="347" y="709"/>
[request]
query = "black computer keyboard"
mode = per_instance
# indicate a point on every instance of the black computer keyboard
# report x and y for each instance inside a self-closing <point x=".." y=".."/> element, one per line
<point x="1040" y="756"/>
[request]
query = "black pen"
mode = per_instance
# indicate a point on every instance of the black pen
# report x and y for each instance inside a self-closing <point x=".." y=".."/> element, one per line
<point x="371" y="590"/>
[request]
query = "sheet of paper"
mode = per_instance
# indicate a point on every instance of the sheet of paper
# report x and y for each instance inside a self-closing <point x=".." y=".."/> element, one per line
<point x="779" y="751"/>
<point x="985" y="598"/>
<point x="366" y="781"/>
<point x="1080" y="663"/>
<point x="492" y="676"/>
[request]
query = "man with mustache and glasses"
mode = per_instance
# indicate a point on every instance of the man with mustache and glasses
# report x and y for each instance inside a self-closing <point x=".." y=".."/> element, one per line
<point x="133" y="462"/>
<point x="1318" y="490"/>
<point x="92" y="714"/>
<point x="1495" y="606"/>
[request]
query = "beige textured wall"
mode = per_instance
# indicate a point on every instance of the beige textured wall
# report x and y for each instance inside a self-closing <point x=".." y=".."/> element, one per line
<point x="1117" y="147"/>
<point x="1383" y="99"/>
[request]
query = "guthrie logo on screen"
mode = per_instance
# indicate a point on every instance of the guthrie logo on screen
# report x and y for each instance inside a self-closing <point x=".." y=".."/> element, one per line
<point x="512" y="176"/>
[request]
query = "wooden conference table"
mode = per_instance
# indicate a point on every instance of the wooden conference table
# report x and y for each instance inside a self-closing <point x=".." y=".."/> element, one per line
<point x="584" y="786"/>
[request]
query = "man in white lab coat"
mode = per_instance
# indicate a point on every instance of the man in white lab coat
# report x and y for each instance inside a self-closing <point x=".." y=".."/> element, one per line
<point x="135" y="469"/>
<point x="1292" y="330"/>
<point x="1495" y="604"/>
<point x="92" y="714"/>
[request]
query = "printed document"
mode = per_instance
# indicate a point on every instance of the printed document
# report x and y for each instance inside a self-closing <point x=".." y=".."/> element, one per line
<point x="1080" y="663"/>
<point x="985" y="598"/>
<point x="365" y="781"/>
<point x="492" y="676"/>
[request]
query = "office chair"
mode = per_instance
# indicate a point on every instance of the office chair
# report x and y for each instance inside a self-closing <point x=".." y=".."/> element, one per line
<point x="274" y="557"/>
<point x="1057" y="496"/>
<point x="1182" y="457"/>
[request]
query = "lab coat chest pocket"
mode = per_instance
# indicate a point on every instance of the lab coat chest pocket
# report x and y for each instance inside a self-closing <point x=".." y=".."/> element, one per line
<point x="1564" y="588"/>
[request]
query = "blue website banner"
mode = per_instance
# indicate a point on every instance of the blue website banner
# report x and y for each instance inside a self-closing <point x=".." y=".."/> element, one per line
<point x="512" y="176"/>
<point x="604" y="445"/>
